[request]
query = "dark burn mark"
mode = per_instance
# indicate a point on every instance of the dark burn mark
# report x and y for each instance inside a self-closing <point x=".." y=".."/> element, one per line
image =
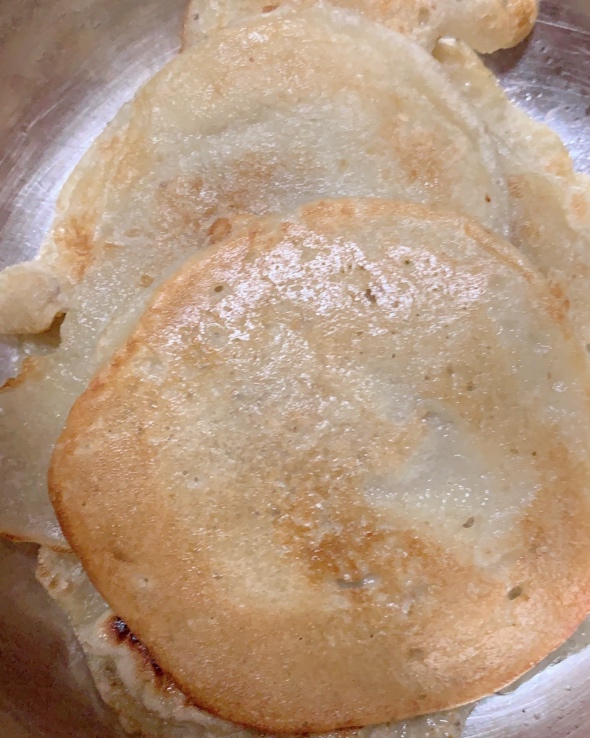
<point x="157" y="670"/>
<point x="120" y="555"/>
<point x="515" y="592"/>
<point x="370" y="295"/>
<point x="120" y="630"/>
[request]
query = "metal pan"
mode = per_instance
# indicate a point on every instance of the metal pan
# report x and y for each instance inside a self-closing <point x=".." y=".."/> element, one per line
<point x="66" y="66"/>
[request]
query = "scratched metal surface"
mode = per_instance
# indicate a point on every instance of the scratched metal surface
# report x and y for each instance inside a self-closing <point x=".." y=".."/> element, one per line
<point x="66" y="66"/>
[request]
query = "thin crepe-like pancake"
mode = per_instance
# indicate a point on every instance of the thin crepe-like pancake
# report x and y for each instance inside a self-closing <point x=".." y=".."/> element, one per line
<point x="422" y="164"/>
<point x="550" y="202"/>
<point x="145" y="699"/>
<point x="346" y="108"/>
<point x="340" y="473"/>
<point x="486" y="25"/>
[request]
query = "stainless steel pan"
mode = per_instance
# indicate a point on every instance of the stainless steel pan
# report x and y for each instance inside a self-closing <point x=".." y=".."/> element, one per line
<point x="66" y="66"/>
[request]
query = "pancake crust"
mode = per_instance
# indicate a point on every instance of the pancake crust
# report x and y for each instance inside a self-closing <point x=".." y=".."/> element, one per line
<point x="347" y="108"/>
<point x="339" y="473"/>
<point x="549" y="200"/>
<point x="486" y="25"/>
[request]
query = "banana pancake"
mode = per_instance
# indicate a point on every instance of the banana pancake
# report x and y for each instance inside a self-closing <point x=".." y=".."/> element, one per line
<point x="339" y="473"/>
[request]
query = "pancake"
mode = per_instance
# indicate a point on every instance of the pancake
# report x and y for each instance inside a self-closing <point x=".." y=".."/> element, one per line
<point x="347" y="108"/>
<point x="550" y="201"/>
<point x="149" y="704"/>
<point x="355" y="431"/>
<point x="30" y="298"/>
<point x="145" y="699"/>
<point x="453" y="162"/>
<point x="486" y="25"/>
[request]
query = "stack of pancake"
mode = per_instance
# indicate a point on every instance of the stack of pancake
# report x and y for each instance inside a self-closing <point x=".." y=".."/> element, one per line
<point x="313" y="451"/>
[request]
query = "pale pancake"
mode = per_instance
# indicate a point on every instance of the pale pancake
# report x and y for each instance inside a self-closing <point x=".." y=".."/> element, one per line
<point x="30" y="298"/>
<point x="145" y="699"/>
<point x="339" y="474"/>
<point x="347" y="108"/>
<point x="486" y="25"/>
<point x="95" y="193"/>
<point x="550" y="202"/>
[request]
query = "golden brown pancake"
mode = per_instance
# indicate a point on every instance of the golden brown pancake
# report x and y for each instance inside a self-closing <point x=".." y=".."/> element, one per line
<point x="486" y="25"/>
<point x="339" y="473"/>
<point x="148" y="703"/>
<point x="145" y="699"/>
<point x="347" y="108"/>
